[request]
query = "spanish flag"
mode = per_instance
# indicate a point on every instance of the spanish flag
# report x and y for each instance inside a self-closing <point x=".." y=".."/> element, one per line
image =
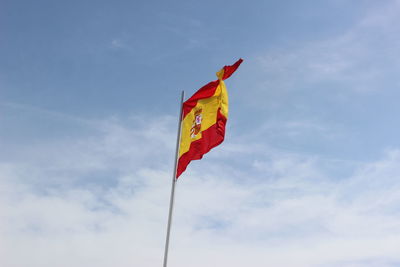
<point x="204" y="117"/>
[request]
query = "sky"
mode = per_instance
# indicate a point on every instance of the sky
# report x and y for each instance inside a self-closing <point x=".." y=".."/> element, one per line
<point x="308" y="174"/>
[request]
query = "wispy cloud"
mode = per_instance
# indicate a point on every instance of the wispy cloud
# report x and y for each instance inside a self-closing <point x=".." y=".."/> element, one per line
<point x="359" y="59"/>
<point x="117" y="43"/>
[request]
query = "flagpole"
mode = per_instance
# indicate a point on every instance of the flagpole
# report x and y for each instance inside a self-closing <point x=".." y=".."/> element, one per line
<point x="171" y="201"/>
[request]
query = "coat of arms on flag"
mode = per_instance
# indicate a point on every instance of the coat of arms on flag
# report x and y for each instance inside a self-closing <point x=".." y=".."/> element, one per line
<point x="196" y="126"/>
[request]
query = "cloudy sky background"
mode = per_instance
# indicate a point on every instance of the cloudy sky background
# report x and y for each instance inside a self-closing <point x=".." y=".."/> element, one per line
<point x="309" y="173"/>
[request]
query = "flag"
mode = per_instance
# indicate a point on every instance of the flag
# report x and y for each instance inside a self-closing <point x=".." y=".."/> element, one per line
<point x="204" y="117"/>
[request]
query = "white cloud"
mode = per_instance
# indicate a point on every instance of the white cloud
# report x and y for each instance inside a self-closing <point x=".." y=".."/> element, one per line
<point x="289" y="211"/>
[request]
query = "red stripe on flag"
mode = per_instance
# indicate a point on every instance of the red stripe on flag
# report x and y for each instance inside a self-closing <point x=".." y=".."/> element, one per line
<point x="229" y="70"/>
<point x="206" y="91"/>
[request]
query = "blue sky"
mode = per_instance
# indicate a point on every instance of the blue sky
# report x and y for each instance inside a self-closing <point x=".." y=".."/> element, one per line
<point x="308" y="174"/>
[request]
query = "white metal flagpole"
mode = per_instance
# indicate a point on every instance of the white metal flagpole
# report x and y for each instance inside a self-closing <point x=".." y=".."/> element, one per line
<point x="171" y="201"/>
